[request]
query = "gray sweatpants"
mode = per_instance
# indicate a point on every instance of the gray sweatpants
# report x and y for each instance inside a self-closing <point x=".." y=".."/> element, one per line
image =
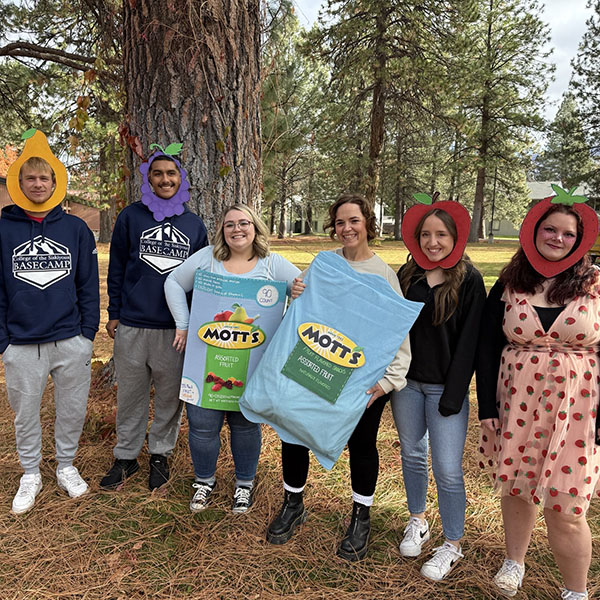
<point x="26" y="369"/>
<point x="142" y="357"/>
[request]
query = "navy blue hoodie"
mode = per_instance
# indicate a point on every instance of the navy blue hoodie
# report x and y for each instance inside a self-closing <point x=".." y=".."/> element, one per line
<point x="48" y="278"/>
<point x="142" y="253"/>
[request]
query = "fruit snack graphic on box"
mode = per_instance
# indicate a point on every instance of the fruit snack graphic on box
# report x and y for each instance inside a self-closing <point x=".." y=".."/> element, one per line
<point x="231" y="322"/>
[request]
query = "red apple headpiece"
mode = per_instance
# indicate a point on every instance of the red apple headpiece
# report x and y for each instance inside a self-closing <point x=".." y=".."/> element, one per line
<point x="589" y="219"/>
<point x="413" y="216"/>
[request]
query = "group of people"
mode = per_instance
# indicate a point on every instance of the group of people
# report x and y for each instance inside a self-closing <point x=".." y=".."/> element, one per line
<point x="536" y="360"/>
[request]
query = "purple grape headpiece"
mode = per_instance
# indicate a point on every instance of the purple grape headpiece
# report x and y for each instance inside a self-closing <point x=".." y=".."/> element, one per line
<point x="161" y="207"/>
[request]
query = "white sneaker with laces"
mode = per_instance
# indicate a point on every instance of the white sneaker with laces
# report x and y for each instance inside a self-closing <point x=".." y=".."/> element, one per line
<point x="29" y="487"/>
<point x="70" y="480"/>
<point x="442" y="562"/>
<point x="201" y="497"/>
<point x="416" y="533"/>
<point x="571" y="595"/>
<point x="509" y="578"/>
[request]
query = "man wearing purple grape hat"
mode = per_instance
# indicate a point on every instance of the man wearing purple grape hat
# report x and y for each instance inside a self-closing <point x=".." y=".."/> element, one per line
<point x="151" y="237"/>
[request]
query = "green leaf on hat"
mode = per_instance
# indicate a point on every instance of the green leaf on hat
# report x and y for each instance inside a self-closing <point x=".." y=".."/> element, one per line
<point x="423" y="198"/>
<point x="566" y="198"/>
<point x="29" y="133"/>
<point x="173" y="149"/>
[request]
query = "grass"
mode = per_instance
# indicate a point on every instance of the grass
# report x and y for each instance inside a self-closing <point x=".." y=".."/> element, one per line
<point x="137" y="545"/>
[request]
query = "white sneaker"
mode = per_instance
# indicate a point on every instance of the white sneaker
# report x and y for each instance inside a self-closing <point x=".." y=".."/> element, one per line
<point x="442" y="561"/>
<point x="70" y="480"/>
<point x="416" y="533"/>
<point x="29" y="487"/>
<point x="509" y="578"/>
<point x="571" y="595"/>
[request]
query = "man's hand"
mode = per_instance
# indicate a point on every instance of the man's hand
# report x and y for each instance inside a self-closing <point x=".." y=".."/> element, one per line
<point x="111" y="327"/>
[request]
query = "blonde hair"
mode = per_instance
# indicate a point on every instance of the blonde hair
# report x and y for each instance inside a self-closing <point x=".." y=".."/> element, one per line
<point x="37" y="163"/>
<point x="260" y="245"/>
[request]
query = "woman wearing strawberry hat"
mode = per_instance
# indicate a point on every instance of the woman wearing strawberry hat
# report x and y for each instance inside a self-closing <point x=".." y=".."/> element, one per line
<point x="434" y="406"/>
<point x="537" y="387"/>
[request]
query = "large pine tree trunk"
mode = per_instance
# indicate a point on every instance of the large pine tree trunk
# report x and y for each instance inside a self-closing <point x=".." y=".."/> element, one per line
<point x="377" y="114"/>
<point x="192" y="75"/>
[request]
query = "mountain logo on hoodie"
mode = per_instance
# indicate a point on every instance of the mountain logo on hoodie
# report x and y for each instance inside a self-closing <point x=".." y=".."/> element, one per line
<point x="41" y="262"/>
<point x="164" y="247"/>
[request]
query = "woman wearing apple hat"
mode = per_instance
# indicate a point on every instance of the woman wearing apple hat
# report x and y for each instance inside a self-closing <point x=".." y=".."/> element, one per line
<point x="537" y="386"/>
<point x="241" y="248"/>
<point x="434" y="405"/>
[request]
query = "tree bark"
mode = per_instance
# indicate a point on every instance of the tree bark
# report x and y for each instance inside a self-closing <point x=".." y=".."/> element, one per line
<point x="476" y="222"/>
<point x="192" y="75"/>
<point x="377" y="113"/>
<point x="282" y="201"/>
<point x="308" y="227"/>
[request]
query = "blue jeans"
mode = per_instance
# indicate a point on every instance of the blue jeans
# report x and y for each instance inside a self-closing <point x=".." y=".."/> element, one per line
<point x="205" y="441"/>
<point x="417" y="419"/>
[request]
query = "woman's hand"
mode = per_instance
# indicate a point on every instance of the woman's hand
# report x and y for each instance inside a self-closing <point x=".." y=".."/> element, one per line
<point x="376" y="391"/>
<point x="180" y="339"/>
<point x="297" y="287"/>
<point x="492" y="425"/>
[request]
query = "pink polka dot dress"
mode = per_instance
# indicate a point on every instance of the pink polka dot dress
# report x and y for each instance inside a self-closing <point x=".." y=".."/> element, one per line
<point x="547" y="401"/>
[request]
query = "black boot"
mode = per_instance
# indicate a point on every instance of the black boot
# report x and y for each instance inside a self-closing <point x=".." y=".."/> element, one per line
<point x="291" y="515"/>
<point x="355" y="544"/>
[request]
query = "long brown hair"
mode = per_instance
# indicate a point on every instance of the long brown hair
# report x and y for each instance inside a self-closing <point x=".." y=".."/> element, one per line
<point x="519" y="276"/>
<point x="445" y="297"/>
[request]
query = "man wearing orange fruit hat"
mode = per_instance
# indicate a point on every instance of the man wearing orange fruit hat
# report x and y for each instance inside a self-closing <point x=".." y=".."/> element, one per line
<point x="49" y="314"/>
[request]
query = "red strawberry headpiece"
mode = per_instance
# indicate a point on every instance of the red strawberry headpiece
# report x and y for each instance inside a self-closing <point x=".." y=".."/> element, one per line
<point x="425" y="204"/>
<point x="589" y="219"/>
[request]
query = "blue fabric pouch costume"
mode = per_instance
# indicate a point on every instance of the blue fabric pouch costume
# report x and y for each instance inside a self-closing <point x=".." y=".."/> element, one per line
<point x="335" y="342"/>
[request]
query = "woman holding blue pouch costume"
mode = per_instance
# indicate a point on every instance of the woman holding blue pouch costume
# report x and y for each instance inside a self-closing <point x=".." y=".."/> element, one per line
<point x="352" y="221"/>
<point x="433" y="408"/>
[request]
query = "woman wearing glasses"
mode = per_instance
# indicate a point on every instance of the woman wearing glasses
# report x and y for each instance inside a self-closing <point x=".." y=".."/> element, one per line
<point x="241" y="248"/>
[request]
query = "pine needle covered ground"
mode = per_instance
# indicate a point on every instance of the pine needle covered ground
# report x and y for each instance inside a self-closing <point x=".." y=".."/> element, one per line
<point x="137" y="545"/>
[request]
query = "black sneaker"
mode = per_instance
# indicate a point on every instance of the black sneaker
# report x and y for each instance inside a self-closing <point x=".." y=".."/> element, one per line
<point x="159" y="471"/>
<point x="202" y="495"/>
<point x="242" y="499"/>
<point x="119" y="472"/>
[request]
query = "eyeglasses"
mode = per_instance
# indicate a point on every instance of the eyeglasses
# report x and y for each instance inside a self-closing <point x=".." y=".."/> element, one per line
<point x="243" y="225"/>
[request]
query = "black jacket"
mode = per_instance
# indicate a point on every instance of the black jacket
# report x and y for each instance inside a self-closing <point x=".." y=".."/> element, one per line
<point x="445" y="354"/>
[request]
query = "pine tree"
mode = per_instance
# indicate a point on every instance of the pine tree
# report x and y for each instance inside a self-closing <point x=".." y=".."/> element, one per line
<point x="566" y="157"/>
<point x="586" y="83"/>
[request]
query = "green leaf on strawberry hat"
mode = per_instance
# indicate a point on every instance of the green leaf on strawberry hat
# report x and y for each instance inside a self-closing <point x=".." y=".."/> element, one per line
<point x="566" y="198"/>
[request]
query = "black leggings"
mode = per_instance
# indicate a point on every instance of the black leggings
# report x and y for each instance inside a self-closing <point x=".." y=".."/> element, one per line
<point x="362" y="445"/>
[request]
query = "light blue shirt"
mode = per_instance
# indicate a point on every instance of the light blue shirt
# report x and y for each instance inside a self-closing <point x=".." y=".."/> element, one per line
<point x="181" y="280"/>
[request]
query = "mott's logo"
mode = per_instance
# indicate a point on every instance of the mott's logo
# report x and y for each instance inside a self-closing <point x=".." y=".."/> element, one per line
<point x="227" y="334"/>
<point x="331" y="344"/>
